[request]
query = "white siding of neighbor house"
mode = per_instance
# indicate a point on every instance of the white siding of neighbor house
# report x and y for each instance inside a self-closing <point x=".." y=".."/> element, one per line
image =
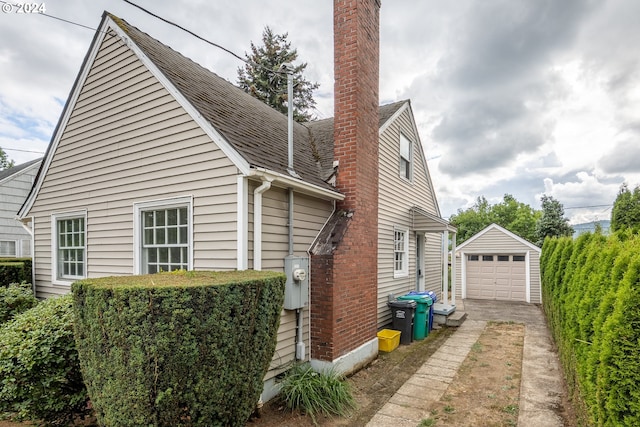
<point x="495" y="242"/>
<point x="310" y="214"/>
<point x="126" y="141"/>
<point x="396" y="197"/>
<point x="13" y="192"/>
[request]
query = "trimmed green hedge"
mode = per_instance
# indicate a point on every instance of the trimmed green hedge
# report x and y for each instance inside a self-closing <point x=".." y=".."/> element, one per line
<point x="14" y="299"/>
<point x="179" y="348"/>
<point x="591" y="294"/>
<point x="15" y="270"/>
<point x="40" y="375"/>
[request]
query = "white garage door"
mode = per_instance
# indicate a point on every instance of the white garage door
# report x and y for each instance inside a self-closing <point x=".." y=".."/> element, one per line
<point x="498" y="277"/>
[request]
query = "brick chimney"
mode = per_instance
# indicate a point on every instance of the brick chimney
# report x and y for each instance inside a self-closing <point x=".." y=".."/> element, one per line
<point x="344" y="276"/>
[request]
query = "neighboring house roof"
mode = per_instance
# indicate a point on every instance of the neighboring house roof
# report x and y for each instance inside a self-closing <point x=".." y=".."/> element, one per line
<point x="8" y="173"/>
<point x="503" y="230"/>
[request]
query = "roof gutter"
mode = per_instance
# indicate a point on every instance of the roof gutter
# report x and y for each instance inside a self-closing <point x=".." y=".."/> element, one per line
<point x="296" y="184"/>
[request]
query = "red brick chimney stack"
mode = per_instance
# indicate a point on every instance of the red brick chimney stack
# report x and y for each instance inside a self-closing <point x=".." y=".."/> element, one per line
<point x="344" y="306"/>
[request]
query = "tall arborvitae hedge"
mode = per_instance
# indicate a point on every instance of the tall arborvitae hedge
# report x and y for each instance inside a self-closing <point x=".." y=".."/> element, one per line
<point x="171" y="349"/>
<point x="591" y="294"/>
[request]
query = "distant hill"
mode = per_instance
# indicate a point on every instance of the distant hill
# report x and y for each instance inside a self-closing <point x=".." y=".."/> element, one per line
<point x="590" y="227"/>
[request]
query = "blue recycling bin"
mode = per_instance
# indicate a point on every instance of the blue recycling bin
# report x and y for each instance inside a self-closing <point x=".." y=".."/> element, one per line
<point x="434" y="299"/>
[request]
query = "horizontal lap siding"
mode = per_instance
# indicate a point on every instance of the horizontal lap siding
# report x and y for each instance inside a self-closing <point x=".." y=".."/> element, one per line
<point x="396" y="197"/>
<point x="310" y="214"/>
<point x="129" y="141"/>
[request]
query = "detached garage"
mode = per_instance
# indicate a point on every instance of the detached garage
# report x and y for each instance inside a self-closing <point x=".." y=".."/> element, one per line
<point x="496" y="264"/>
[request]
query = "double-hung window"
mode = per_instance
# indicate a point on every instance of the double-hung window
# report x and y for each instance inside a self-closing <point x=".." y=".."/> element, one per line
<point x="70" y="247"/>
<point x="400" y="253"/>
<point x="405" y="157"/>
<point x="164" y="235"/>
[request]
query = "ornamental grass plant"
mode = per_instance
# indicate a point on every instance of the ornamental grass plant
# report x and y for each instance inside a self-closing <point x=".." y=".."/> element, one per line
<point x="313" y="393"/>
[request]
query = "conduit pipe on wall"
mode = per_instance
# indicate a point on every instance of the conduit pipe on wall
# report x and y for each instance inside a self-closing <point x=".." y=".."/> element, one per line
<point x="257" y="223"/>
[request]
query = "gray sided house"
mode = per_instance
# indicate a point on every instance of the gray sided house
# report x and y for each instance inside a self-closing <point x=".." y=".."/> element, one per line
<point x="15" y="183"/>
<point x="159" y="164"/>
<point x="496" y="264"/>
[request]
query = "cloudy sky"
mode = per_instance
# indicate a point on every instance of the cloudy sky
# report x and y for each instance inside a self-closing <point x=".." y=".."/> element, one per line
<point x="526" y="97"/>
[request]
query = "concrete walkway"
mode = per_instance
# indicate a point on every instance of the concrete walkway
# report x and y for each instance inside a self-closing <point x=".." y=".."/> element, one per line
<point x="541" y="384"/>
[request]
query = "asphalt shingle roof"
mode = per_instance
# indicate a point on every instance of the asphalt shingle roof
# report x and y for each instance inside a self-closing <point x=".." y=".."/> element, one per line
<point x="257" y="131"/>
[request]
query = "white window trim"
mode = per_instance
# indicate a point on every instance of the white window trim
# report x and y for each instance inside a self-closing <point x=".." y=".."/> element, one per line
<point x="138" y="207"/>
<point x="410" y="159"/>
<point x="55" y="217"/>
<point x="404" y="272"/>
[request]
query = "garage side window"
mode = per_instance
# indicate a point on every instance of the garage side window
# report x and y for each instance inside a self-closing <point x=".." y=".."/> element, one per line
<point x="518" y="258"/>
<point x="164" y="237"/>
<point x="401" y="253"/>
<point x="69" y="247"/>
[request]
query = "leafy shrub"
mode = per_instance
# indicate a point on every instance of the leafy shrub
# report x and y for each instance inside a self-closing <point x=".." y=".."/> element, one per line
<point x="316" y="393"/>
<point x="39" y="372"/>
<point x="14" y="270"/>
<point x="180" y="348"/>
<point x="15" y="299"/>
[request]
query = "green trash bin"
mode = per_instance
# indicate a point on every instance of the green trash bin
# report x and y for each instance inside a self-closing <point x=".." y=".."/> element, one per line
<point x="421" y="316"/>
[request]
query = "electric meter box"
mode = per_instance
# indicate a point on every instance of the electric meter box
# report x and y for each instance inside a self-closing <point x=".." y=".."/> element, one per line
<point x="296" y="291"/>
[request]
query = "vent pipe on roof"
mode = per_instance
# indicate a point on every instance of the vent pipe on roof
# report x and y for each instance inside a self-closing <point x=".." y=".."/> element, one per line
<point x="288" y="68"/>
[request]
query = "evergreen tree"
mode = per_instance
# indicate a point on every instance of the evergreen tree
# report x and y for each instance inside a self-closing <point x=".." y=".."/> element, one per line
<point x="552" y="223"/>
<point x="5" y="161"/>
<point x="626" y="209"/>
<point x="260" y="77"/>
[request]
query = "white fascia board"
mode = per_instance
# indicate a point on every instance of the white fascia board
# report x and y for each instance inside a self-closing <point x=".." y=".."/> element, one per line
<point x="66" y="114"/>
<point x="495" y="226"/>
<point x="297" y="184"/>
<point x="407" y="106"/>
<point x="107" y="25"/>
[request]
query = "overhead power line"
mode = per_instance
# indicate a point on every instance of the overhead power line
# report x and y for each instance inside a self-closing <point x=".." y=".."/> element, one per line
<point x="588" y="207"/>
<point x="23" y="151"/>
<point x="204" y="40"/>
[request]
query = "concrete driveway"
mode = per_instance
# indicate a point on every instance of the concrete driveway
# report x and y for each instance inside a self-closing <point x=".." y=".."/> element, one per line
<point x="542" y="385"/>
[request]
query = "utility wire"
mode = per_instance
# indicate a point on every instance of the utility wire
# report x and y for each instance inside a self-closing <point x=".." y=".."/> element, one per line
<point x="24" y="151"/>
<point x="586" y="207"/>
<point x="203" y="39"/>
<point x="55" y="17"/>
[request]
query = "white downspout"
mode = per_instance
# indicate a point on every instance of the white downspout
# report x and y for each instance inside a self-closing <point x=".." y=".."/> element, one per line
<point x="29" y="229"/>
<point x="454" y="269"/>
<point x="445" y="267"/>
<point x="257" y="224"/>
